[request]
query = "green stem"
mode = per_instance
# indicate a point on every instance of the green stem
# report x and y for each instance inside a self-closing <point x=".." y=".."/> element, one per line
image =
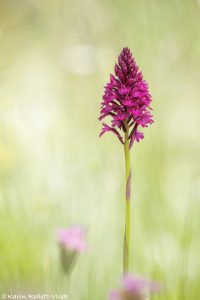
<point x="68" y="286"/>
<point x="126" y="253"/>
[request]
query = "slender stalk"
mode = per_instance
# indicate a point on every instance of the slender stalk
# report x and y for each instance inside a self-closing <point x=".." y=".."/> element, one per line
<point x="68" y="286"/>
<point x="126" y="253"/>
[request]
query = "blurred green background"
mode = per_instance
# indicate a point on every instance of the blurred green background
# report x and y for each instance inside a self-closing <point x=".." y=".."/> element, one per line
<point x="55" y="58"/>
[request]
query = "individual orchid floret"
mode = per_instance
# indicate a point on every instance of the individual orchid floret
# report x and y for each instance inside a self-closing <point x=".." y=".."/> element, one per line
<point x="71" y="242"/>
<point x="135" y="288"/>
<point x="126" y="100"/>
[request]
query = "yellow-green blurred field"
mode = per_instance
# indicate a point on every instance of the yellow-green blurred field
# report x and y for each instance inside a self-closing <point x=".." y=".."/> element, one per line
<point x="55" y="58"/>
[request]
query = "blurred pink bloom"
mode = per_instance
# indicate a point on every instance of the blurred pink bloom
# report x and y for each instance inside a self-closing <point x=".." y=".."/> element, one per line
<point x="72" y="238"/>
<point x="71" y="242"/>
<point x="135" y="288"/>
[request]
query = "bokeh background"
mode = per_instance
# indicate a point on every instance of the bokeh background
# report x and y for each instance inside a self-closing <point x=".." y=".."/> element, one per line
<point x="55" y="58"/>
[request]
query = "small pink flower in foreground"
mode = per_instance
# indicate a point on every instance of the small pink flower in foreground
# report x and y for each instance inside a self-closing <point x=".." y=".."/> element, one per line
<point x="135" y="288"/>
<point x="72" y="238"/>
<point x="126" y="100"/>
<point x="71" y="242"/>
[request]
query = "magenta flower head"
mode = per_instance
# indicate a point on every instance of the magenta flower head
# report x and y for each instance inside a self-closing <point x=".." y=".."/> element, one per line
<point x="135" y="288"/>
<point x="126" y="100"/>
<point x="71" y="242"/>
